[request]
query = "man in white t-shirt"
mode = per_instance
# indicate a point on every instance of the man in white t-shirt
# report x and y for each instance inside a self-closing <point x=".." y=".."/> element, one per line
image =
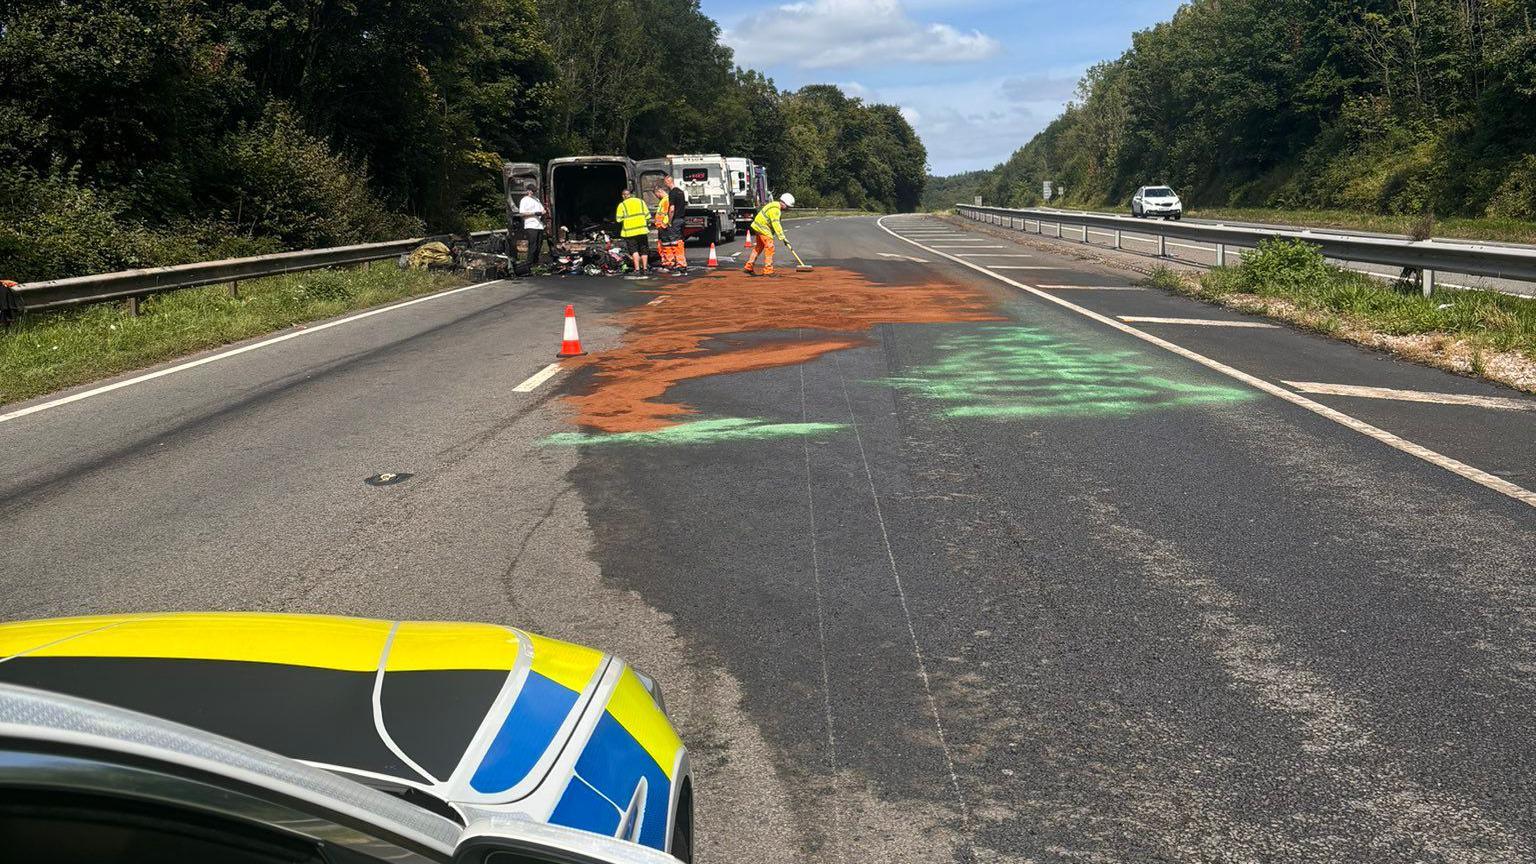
<point x="531" y="209"/>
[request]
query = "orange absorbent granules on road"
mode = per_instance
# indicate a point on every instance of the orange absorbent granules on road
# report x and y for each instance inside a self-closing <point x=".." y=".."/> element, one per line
<point x="687" y="337"/>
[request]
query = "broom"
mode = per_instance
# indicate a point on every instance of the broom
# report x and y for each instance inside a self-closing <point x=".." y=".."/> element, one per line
<point x="804" y="267"/>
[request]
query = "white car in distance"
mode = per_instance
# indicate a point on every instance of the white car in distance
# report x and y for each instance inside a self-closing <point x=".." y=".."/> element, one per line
<point x="1156" y="201"/>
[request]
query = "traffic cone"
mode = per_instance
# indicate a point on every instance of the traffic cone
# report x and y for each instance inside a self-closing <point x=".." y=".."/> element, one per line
<point x="713" y="261"/>
<point x="570" y="346"/>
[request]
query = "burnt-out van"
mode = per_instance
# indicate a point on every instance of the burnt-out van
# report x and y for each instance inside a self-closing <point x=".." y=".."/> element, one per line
<point x="580" y="193"/>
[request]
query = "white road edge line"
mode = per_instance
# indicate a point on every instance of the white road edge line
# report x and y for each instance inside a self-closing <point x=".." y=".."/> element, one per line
<point x="1460" y="469"/>
<point x="991" y="254"/>
<point x="203" y="361"/>
<point x="1020" y="267"/>
<point x="537" y="378"/>
<point x="1500" y="402"/>
<point x="1198" y="322"/>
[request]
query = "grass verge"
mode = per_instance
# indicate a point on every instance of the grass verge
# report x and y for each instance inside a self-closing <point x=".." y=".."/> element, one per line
<point x="1483" y="333"/>
<point x="50" y="351"/>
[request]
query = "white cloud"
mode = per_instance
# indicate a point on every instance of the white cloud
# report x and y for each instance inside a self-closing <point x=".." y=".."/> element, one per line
<point x="973" y="124"/>
<point x="831" y="34"/>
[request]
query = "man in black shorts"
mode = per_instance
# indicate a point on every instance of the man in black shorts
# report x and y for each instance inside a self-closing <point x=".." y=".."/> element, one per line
<point x="632" y="217"/>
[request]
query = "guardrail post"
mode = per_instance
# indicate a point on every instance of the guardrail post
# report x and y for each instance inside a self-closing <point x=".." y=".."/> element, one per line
<point x="133" y="306"/>
<point x="234" y="288"/>
<point x="1058" y="230"/>
<point x="1085" y="233"/>
<point x="1427" y="281"/>
<point x="1162" y="246"/>
<point x="1117" y="238"/>
<point x="1221" y="254"/>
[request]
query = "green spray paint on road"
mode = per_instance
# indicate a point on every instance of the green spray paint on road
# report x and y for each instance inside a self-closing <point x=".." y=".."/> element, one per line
<point x="698" y="432"/>
<point x="1018" y="372"/>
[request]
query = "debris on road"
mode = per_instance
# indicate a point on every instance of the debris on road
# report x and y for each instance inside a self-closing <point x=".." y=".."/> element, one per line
<point x="700" y="330"/>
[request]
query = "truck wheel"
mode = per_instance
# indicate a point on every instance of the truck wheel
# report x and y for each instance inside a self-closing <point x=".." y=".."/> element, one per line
<point x="714" y="232"/>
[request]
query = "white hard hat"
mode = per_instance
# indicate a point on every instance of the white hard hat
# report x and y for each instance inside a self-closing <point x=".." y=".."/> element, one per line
<point x="787" y="200"/>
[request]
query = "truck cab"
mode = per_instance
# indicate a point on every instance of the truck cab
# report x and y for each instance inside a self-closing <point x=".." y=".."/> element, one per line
<point x="704" y="177"/>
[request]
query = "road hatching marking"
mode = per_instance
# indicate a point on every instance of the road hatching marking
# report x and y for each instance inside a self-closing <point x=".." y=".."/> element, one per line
<point x="1460" y="469"/>
<point x="1500" y="402"/>
<point x="906" y="611"/>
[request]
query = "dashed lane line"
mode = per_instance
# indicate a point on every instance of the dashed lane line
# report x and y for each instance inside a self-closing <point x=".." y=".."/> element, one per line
<point x="233" y="352"/>
<point x="1499" y="402"/>
<point x="537" y="378"/>
<point x="1460" y="469"/>
<point x="1198" y="322"/>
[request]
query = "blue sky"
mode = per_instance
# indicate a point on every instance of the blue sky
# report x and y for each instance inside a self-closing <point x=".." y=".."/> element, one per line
<point x="977" y="78"/>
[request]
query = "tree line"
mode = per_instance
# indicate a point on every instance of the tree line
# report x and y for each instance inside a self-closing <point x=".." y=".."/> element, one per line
<point x="1389" y="106"/>
<point x="142" y="132"/>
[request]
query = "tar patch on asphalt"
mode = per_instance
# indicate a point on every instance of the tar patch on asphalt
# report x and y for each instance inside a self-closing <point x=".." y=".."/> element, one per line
<point x="388" y="478"/>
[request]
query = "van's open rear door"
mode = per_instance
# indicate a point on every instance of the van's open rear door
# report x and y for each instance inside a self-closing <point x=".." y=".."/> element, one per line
<point x="647" y="174"/>
<point x="516" y="177"/>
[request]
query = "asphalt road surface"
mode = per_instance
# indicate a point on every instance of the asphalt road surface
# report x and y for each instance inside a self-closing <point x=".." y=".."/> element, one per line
<point x="959" y="550"/>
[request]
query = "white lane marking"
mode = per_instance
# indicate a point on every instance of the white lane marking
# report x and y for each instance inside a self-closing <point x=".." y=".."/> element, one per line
<point x="1460" y="469"/>
<point x="1020" y="267"/>
<point x="1199" y="322"/>
<point x="659" y="300"/>
<point x="952" y="246"/>
<point x="202" y="361"/>
<point x="1088" y="287"/>
<point x="912" y="258"/>
<point x="993" y="255"/>
<point x="1500" y="402"/>
<point x="537" y="378"/>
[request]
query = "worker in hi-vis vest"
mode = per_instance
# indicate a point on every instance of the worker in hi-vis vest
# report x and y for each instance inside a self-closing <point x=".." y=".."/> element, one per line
<point x="765" y="227"/>
<point x="632" y="215"/>
<point x="663" y="222"/>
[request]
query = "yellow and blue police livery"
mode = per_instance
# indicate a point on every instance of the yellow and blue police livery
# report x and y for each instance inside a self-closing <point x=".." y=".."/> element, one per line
<point x="459" y="718"/>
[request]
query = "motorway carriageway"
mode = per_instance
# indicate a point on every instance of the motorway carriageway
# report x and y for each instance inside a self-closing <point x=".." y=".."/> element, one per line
<point x="941" y="551"/>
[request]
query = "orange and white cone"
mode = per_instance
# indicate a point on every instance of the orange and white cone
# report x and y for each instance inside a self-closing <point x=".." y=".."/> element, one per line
<point x="570" y="346"/>
<point x="713" y="261"/>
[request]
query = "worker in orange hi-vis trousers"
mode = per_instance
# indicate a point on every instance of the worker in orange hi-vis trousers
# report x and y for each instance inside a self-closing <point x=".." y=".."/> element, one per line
<point x="766" y="226"/>
<point x="662" y="219"/>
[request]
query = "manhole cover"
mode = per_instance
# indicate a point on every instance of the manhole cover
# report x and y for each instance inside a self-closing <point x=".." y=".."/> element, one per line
<point x="388" y="478"/>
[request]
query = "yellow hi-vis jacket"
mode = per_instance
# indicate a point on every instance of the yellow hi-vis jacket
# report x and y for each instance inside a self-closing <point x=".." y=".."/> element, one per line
<point x="767" y="220"/>
<point x="663" y="212"/>
<point x="632" y="214"/>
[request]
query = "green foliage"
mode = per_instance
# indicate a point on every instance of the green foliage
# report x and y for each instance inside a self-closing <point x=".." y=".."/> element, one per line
<point x="1375" y="106"/>
<point x="43" y="353"/>
<point x="157" y="131"/>
<point x="1282" y="267"/>
<point x="1297" y="273"/>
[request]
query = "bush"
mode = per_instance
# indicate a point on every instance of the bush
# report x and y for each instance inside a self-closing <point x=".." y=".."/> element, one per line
<point x="280" y="181"/>
<point x="1281" y="267"/>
